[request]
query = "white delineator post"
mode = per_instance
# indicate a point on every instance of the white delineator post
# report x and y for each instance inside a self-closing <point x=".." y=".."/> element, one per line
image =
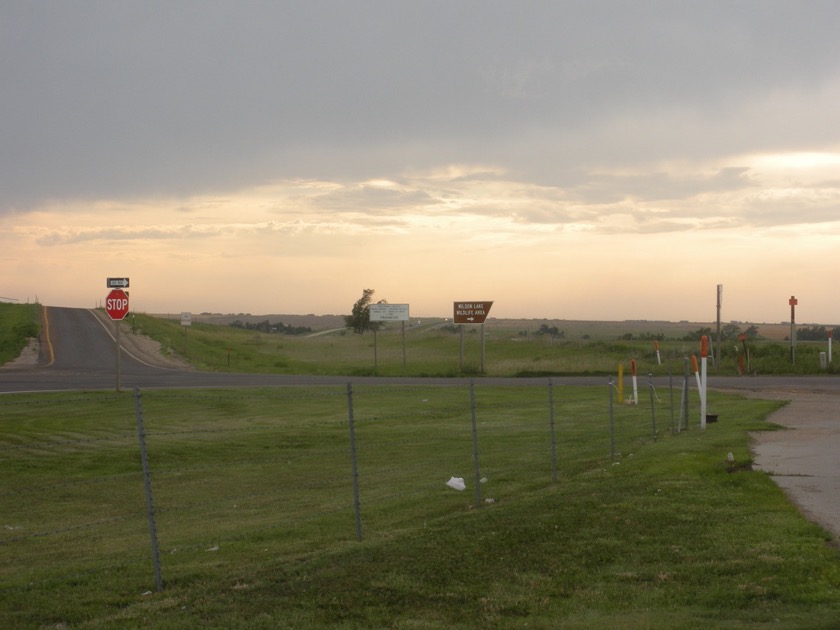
<point x="635" y="382"/>
<point x="696" y="373"/>
<point x="829" y="347"/>
<point x="704" y="359"/>
<point x="658" y="356"/>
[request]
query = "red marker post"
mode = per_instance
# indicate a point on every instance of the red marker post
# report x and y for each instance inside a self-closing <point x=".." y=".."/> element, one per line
<point x="704" y="360"/>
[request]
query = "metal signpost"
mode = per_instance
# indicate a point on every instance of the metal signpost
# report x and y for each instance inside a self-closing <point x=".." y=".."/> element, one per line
<point x="116" y="305"/>
<point x="388" y="313"/>
<point x="719" y="303"/>
<point x="186" y="322"/>
<point x="793" y="302"/>
<point x="471" y="313"/>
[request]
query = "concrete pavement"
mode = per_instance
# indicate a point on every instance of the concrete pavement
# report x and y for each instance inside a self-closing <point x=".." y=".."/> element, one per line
<point x="805" y="459"/>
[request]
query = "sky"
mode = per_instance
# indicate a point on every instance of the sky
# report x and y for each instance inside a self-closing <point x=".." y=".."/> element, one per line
<point x="566" y="160"/>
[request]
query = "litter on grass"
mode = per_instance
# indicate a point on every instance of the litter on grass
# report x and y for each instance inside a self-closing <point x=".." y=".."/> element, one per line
<point x="456" y="483"/>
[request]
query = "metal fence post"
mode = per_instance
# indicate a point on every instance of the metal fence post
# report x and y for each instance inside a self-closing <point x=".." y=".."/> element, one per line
<point x="356" y="505"/>
<point x="476" y="473"/>
<point x="551" y="424"/>
<point x="652" y="406"/>
<point x="612" y="423"/>
<point x="685" y="394"/>
<point x="147" y="480"/>
<point x="671" y="392"/>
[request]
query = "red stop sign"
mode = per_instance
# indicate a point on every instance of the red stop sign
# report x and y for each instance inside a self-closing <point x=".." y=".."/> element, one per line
<point x="116" y="304"/>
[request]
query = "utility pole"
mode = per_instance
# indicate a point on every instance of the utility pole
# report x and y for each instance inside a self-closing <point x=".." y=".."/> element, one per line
<point x="793" y="302"/>
<point x="719" y="301"/>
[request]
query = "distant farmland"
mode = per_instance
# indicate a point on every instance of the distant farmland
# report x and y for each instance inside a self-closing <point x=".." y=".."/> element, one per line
<point x="573" y="329"/>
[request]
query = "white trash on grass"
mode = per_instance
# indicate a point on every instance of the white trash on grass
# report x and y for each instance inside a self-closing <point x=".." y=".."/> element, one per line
<point x="456" y="483"/>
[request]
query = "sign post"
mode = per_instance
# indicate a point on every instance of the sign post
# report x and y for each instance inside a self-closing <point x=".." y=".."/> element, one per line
<point x="186" y="322"/>
<point x="719" y="303"/>
<point x="471" y="313"/>
<point x="388" y="313"/>
<point x="116" y="305"/>
<point x="793" y="302"/>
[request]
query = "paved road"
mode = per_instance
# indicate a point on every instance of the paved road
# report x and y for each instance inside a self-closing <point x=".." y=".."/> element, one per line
<point x="803" y="460"/>
<point x="77" y="352"/>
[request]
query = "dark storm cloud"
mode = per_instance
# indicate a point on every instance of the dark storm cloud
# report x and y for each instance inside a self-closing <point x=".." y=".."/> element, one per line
<point x="127" y="100"/>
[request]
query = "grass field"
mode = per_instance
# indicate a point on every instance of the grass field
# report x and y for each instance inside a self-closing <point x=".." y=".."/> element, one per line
<point x="18" y="323"/>
<point x="254" y="512"/>
<point x="434" y="348"/>
<point x="254" y="496"/>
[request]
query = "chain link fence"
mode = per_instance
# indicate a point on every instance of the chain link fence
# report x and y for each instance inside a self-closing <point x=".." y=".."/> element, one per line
<point x="140" y="489"/>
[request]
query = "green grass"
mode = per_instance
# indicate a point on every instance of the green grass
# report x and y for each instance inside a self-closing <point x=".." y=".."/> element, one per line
<point x="18" y="323"/>
<point x="254" y="503"/>
<point x="431" y="350"/>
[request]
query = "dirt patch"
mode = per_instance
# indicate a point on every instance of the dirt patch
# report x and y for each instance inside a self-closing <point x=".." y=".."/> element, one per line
<point x="27" y="358"/>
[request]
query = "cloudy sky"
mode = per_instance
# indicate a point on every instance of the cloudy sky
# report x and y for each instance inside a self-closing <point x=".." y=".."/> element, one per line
<point x="571" y="160"/>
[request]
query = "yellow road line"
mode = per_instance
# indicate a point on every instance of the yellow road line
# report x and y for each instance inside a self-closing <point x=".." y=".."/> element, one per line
<point x="47" y="337"/>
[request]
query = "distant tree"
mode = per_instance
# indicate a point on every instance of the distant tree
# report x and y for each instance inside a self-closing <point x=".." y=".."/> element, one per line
<point x="730" y="332"/>
<point x="813" y="333"/>
<point x="359" y="319"/>
<point x="697" y="334"/>
<point x="267" y="327"/>
<point x="751" y="332"/>
<point x="551" y="331"/>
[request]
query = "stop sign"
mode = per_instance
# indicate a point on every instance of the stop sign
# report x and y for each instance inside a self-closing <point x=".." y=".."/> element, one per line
<point x="116" y="304"/>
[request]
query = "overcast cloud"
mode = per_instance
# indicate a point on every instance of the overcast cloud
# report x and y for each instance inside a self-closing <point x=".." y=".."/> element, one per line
<point x="501" y="122"/>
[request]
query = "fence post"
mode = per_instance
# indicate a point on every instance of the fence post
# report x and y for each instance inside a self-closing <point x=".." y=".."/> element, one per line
<point x="612" y="423"/>
<point x="551" y="424"/>
<point x="476" y="473"/>
<point x="652" y="406"/>
<point x="147" y="480"/>
<point x="671" y="392"/>
<point x="685" y="394"/>
<point x="356" y="505"/>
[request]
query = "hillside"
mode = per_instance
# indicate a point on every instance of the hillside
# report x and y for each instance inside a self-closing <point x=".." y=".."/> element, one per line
<point x="574" y="329"/>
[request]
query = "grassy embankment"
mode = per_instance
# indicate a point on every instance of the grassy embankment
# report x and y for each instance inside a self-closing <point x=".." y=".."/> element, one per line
<point x="512" y="348"/>
<point x="18" y="324"/>
<point x="254" y="500"/>
<point x="434" y="349"/>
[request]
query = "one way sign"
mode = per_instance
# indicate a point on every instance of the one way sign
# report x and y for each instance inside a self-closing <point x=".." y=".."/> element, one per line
<point x="117" y="283"/>
<point x="471" y="312"/>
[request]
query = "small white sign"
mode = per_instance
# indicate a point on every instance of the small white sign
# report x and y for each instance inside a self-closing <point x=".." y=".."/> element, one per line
<point x="186" y="319"/>
<point x="388" y="312"/>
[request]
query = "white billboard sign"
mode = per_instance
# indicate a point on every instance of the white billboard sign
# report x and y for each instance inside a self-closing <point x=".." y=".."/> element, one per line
<point x="388" y="312"/>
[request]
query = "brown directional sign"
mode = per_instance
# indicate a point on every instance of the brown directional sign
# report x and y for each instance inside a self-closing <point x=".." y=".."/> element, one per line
<point x="471" y="312"/>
